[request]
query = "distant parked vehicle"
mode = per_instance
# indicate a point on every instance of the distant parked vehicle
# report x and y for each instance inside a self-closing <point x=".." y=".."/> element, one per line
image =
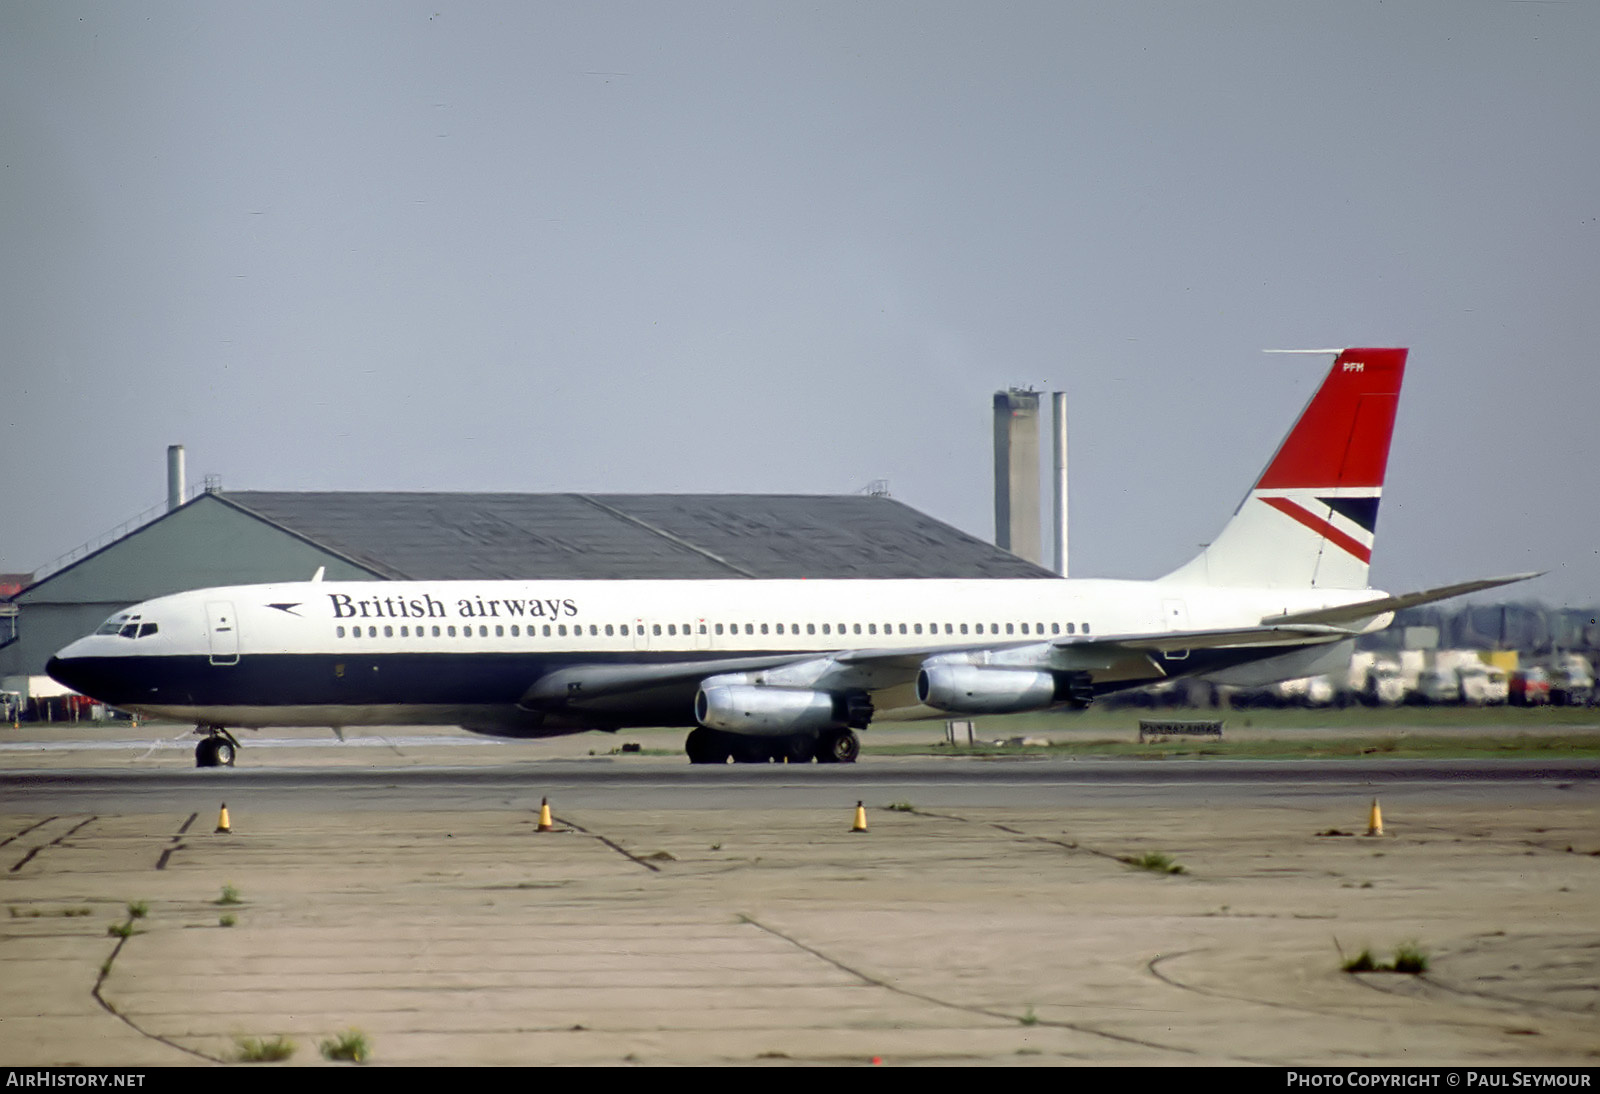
<point x="1530" y="688"/>
<point x="1437" y="685"/>
<point x="1385" y="686"/>
<point x="1571" y="682"/>
<point x="1484" y="685"/>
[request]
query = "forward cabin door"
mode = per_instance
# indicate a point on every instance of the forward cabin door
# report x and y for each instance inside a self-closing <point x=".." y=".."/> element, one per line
<point x="223" y="630"/>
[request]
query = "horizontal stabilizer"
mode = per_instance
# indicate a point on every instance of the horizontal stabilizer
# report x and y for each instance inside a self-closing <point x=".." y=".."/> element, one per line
<point x="1366" y="609"/>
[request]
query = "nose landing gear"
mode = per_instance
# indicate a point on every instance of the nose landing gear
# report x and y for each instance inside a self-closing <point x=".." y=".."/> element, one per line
<point x="218" y="749"/>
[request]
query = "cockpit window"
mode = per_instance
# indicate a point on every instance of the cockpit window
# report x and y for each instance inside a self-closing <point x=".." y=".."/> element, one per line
<point x="127" y="626"/>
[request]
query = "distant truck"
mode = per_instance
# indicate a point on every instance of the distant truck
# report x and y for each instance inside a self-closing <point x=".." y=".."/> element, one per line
<point x="1484" y="685"/>
<point x="1571" y="681"/>
<point x="1530" y="687"/>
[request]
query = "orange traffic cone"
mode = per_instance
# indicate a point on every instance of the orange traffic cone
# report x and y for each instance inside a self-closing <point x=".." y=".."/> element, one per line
<point x="544" y="816"/>
<point x="1375" y="820"/>
<point x="861" y="819"/>
<point x="222" y="821"/>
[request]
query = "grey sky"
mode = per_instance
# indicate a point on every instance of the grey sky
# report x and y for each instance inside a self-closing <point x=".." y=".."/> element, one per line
<point x="795" y="247"/>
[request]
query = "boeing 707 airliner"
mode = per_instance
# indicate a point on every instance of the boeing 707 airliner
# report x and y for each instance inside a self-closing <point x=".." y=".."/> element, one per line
<point x="764" y="670"/>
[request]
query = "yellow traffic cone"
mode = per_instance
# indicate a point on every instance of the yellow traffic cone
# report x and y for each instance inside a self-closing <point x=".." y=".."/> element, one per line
<point x="1375" y="820"/>
<point x="544" y="815"/>
<point x="861" y="819"/>
<point x="222" y="821"/>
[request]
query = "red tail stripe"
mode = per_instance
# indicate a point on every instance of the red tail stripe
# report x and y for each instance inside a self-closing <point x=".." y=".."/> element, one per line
<point x="1342" y="438"/>
<point x="1321" y="527"/>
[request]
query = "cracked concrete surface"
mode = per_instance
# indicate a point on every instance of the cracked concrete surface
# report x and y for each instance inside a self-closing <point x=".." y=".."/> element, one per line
<point x="984" y="935"/>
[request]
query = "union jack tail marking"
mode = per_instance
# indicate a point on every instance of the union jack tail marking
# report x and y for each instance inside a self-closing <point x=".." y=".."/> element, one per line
<point x="1312" y="517"/>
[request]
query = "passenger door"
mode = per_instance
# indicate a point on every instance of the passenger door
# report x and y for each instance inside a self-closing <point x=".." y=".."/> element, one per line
<point x="223" y="630"/>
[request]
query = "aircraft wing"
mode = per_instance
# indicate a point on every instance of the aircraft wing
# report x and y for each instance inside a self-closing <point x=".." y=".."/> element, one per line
<point x="1366" y="609"/>
<point x="878" y="669"/>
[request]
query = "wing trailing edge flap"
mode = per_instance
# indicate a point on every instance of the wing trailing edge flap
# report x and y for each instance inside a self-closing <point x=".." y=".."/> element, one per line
<point x="1366" y="609"/>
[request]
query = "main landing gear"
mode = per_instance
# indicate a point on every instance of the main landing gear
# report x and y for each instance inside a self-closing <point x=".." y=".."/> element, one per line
<point x="218" y="749"/>
<point x="831" y="746"/>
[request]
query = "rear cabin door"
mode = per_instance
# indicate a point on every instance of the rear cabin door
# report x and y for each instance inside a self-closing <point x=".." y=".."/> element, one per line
<point x="223" y="630"/>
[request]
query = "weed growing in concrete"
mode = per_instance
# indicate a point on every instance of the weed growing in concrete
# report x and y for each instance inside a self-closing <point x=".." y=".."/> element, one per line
<point x="1410" y="958"/>
<point x="1361" y="962"/>
<point x="350" y="1045"/>
<point x="901" y="807"/>
<point x="1029" y="1018"/>
<point x="120" y="930"/>
<point x="259" y="1050"/>
<point x="227" y="919"/>
<point x="230" y="895"/>
<point x="138" y="909"/>
<point x="1155" y="862"/>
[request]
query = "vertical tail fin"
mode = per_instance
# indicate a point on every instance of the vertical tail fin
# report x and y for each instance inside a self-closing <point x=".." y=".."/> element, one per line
<point x="1311" y="519"/>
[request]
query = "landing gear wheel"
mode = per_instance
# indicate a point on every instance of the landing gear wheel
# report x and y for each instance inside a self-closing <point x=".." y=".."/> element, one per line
<point x="751" y="750"/>
<point x="706" y="746"/>
<point x="217" y="750"/>
<point x="838" y="746"/>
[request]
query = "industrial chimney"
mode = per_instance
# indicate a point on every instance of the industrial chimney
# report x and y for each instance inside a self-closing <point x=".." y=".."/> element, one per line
<point x="175" y="476"/>
<point x="1016" y="472"/>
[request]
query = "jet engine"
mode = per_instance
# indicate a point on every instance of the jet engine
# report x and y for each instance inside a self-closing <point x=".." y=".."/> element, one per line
<point x="976" y="689"/>
<point x="767" y="711"/>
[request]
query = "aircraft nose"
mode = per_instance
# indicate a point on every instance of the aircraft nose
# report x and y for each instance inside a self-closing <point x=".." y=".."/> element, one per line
<point x="59" y="671"/>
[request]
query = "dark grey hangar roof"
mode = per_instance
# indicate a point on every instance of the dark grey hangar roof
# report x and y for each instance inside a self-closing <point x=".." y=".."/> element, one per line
<point x="574" y="536"/>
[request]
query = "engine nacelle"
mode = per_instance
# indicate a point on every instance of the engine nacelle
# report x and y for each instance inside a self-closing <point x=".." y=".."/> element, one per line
<point x="777" y="712"/>
<point x="976" y="689"/>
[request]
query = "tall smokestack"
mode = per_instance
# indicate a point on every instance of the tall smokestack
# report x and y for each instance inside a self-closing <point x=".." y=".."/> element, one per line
<point x="1016" y="473"/>
<point x="1058" y="481"/>
<point x="175" y="476"/>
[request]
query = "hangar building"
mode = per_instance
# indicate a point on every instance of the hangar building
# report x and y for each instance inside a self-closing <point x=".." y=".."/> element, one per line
<point x="246" y="537"/>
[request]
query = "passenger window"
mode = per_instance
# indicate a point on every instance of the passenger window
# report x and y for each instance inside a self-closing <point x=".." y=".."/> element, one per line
<point x="963" y="628"/>
<point x="949" y="629"/>
<point x="826" y="629"/>
<point x="546" y="631"/>
<point x="594" y="630"/>
<point x="703" y="628"/>
<point x="483" y="630"/>
<point x="372" y="632"/>
<point x="719" y="628"/>
<point x="388" y="632"/>
<point x="1071" y="629"/>
<point x="764" y="628"/>
<point x="903" y="628"/>
<point x="1024" y="628"/>
<point x="1086" y="628"/>
<point x="609" y="632"/>
<point x="857" y="627"/>
<point x="749" y="628"/>
<point x="872" y="628"/>
<point x="436" y="630"/>
<point x="811" y="628"/>
<point x="338" y="632"/>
